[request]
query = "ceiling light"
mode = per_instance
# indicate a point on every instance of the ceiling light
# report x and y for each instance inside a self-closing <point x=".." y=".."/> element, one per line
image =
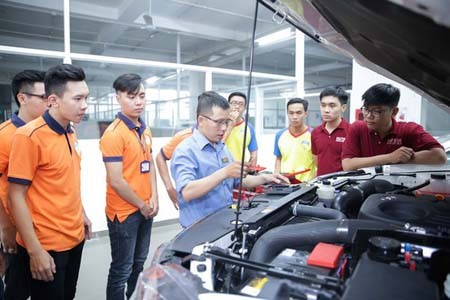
<point x="152" y="79"/>
<point x="275" y="37"/>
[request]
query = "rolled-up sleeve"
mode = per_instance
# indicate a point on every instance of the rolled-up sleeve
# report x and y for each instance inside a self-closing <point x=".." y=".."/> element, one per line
<point x="183" y="167"/>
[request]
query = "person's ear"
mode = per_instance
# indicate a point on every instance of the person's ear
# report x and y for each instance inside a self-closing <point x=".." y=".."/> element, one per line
<point x="395" y="111"/>
<point x="344" y="107"/>
<point x="53" y="101"/>
<point x="22" y="98"/>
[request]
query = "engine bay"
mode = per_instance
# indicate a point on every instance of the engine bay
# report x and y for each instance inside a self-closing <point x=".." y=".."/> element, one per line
<point x="373" y="234"/>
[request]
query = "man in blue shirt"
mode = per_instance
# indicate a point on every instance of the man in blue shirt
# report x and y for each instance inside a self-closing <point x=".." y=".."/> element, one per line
<point x="202" y="167"/>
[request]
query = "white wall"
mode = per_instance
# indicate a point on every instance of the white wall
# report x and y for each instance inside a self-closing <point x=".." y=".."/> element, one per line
<point x="93" y="179"/>
<point x="410" y="102"/>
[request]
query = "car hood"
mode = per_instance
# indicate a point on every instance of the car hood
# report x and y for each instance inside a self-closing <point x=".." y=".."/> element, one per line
<point x="407" y="41"/>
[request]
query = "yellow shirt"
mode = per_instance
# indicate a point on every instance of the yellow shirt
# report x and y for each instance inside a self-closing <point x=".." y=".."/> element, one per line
<point x="295" y="153"/>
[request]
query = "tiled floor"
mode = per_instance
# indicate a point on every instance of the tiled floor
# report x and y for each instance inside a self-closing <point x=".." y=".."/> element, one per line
<point x="97" y="257"/>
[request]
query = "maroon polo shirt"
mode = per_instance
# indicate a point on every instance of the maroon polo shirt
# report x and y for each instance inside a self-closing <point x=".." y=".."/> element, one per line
<point x="364" y="142"/>
<point x="328" y="147"/>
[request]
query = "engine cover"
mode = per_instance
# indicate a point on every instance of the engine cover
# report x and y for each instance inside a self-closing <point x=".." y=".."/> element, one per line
<point x="424" y="213"/>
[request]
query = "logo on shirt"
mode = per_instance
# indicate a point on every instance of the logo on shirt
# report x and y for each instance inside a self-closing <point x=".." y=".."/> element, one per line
<point x="394" y="141"/>
<point x="225" y="160"/>
<point x="340" y="139"/>
<point x="147" y="140"/>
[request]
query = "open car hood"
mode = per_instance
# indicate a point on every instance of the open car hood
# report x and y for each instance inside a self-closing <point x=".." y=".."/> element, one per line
<point x="406" y="41"/>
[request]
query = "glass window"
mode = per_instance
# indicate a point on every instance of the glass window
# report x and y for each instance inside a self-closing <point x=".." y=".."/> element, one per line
<point x="437" y="121"/>
<point x="39" y="25"/>
<point x="276" y="96"/>
<point x="10" y="66"/>
<point x="324" y="68"/>
<point x="166" y="111"/>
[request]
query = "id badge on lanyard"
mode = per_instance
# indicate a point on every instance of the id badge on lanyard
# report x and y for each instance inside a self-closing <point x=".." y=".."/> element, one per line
<point x="145" y="166"/>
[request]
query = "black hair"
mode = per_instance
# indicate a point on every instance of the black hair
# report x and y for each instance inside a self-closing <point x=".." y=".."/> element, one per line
<point x="23" y="81"/>
<point x="129" y="83"/>
<point x="382" y="94"/>
<point x="207" y="100"/>
<point x="238" y="94"/>
<point x="335" y="92"/>
<point x="57" y="77"/>
<point x="298" y="100"/>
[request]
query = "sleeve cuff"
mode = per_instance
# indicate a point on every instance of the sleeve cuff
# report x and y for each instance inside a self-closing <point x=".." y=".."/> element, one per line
<point x="19" y="180"/>
<point x="112" y="158"/>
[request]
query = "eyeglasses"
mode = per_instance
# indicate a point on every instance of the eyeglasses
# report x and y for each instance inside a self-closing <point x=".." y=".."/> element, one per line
<point x="373" y="112"/>
<point x="42" y="97"/>
<point x="239" y="104"/>
<point x="219" y="123"/>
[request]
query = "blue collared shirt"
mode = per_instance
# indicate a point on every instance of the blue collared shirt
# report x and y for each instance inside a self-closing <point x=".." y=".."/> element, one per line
<point x="196" y="158"/>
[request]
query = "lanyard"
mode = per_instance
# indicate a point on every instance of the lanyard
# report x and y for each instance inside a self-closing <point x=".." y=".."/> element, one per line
<point x="140" y="141"/>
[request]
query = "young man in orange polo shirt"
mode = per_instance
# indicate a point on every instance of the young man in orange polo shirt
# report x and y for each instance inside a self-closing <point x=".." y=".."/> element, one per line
<point x="44" y="188"/>
<point x="29" y="93"/>
<point x="131" y="196"/>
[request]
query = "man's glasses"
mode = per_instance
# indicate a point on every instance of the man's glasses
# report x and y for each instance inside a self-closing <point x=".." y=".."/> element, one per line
<point x="219" y="123"/>
<point x="238" y="104"/>
<point x="42" y="97"/>
<point x="373" y="112"/>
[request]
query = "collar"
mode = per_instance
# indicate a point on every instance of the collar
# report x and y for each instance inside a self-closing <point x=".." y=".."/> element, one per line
<point x="131" y="125"/>
<point x="18" y="122"/>
<point x="340" y="126"/>
<point x="54" y="125"/>
<point x="299" y="134"/>
<point x="392" y="130"/>
<point x="240" y="122"/>
<point x="203" y="142"/>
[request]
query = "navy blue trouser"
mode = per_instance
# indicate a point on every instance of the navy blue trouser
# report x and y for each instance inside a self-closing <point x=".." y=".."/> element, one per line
<point x="130" y="242"/>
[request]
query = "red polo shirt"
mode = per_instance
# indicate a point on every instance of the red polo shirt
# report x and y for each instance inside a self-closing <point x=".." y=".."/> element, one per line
<point x="328" y="147"/>
<point x="364" y="142"/>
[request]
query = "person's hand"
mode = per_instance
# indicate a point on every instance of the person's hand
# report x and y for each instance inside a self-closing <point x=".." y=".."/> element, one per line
<point x="173" y="196"/>
<point x="8" y="238"/>
<point x="252" y="161"/>
<point x="154" y="206"/>
<point x="87" y="227"/>
<point x="146" y="211"/>
<point x="401" y="155"/>
<point x="276" y="178"/>
<point x="233" y="170"/>
<point x="234" y="114"/>
<point x="42" y="265"/>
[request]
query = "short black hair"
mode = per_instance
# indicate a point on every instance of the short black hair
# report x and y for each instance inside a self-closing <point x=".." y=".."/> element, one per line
<point x="298" y="100"/>
<point x="129" y="83"/>
<point x="238" y="94"/>
<point x="23" y="81"/>
<point x="57" y="77"/>
<point x="335" y="91"/>
<point x="207" y="100"/>
<point x="382" y="94"/>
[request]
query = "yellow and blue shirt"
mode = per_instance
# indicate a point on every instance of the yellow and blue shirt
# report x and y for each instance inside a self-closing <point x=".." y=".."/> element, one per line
<point x="234" y="141"/>
<point x="295" y="153"/>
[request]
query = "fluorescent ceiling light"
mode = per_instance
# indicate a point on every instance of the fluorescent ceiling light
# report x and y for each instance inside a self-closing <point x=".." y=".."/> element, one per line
<point x="275" y="37"/>
<point x="232" y="51"/>
<point x="152" y="79"/>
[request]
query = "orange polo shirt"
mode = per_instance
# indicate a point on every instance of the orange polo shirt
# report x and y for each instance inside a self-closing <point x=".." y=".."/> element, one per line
<point x="124" y="142"/>
<point x="7" y="130"/>
<point x="45" y="156"/>
<point x="169" y="148"/>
